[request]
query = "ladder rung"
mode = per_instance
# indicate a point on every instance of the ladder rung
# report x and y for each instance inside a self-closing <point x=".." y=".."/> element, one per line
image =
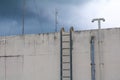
<point x="66" y="69"/>
<point x="65" y="62"/>
<point x="65" y="48"/>
<point x="65" y="41"/>
<point x="66" y="76"/>
<point x="65" y="55"/>
<point x="66" y="35"/>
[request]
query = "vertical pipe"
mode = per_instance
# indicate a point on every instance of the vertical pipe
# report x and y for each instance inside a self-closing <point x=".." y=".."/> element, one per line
<point x="101" y="64"/>
<point x="92" y="59"/>
<point x="5" y="60"/>
<point x="61" y="54"/>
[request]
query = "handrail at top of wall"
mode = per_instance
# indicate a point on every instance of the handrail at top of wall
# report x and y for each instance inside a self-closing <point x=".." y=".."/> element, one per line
<point x="71" y="29"/>
<point x="62" y="29"/>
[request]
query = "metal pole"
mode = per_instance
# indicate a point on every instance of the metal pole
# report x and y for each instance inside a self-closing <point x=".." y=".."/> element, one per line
<point x="99" y="26"/>
<point x="56" y="22"/>
<point x="101" y="64"/>
<point x="23" y="17"/>
<point x="99" y="19"/>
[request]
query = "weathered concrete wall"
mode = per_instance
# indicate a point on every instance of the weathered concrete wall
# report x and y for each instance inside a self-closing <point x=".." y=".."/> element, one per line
<point x="111" y="51"/>
<point x="109" y="48"/>
<point x="30" y="57"/>
<point x="35" y="57"/>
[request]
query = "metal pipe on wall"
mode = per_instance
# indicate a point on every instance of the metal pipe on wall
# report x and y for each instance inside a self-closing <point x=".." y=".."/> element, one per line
<point x="101" y="64"/>
<point x="92" y="58"/>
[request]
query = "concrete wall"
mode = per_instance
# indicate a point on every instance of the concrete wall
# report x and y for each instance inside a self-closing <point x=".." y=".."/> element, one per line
<point x="30" y="57"/>
<point x="37" y="57"/>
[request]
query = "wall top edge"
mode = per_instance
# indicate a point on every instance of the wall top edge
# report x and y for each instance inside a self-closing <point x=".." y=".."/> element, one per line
<point x="55" y="33"/>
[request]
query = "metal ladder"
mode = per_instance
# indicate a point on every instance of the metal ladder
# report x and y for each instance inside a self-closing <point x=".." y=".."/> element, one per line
<point x="66" y="55"/>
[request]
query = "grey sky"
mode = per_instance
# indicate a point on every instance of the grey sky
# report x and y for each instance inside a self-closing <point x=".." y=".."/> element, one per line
<point x="40" y="15"/>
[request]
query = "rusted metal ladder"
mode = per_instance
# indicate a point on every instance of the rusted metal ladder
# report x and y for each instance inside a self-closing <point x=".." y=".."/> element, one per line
<point x="66" y="54"/>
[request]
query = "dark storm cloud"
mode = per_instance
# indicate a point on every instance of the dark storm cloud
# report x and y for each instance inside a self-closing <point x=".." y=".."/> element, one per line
<point x="39" y="14"/>
<point x="9" y="8"/>
<point x="13" y="9"/>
